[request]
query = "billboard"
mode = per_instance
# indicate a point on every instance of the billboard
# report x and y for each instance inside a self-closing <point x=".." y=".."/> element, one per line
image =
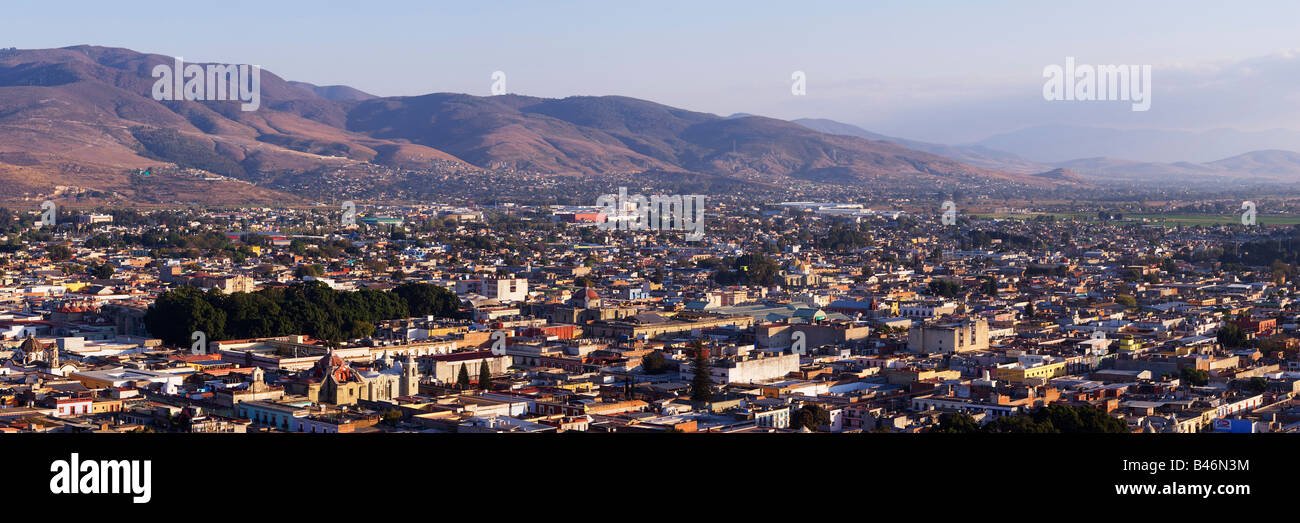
<point x="1239" y="426"/>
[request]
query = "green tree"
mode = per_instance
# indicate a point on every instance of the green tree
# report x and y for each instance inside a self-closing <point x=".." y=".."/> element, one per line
<point x="313" y="270"/>
<point x="102" y="271"/>
<point x="945" y="288"/>
<point x="810" y="416"/>
<point x="701" y="383"/>
<point x="1195" y="377"/>
<point x="989" y="286"/>
<point x="484" y="376"/>
<point x="1230" y="335"/>
<point x="424" y="299"/>
<point x="1018" y="425"/>
<point x="957" y="423"/>
<point x="59" y="252"/>
<point x="178" y="313"/>
<point x="654" y="363"/>
<point x="1255" y="385"/>
<point x="462" y="378"/>
<point x="750" y="269"/>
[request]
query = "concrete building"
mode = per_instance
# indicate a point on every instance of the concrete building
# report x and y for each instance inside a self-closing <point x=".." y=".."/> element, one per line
<point x="747" y="370"/>
<point x="504" y="290"/>
<point x="970" y="334"/>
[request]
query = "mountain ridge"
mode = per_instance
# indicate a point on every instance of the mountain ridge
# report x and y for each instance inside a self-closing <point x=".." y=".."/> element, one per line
<point x="83" y="116"/>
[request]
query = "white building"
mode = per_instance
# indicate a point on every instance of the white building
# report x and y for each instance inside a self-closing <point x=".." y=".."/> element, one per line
<point x="748" y="370"/>
<point x="504" y="290"/>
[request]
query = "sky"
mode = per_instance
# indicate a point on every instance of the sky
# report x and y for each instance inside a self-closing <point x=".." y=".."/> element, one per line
<point x="944" y="71"/>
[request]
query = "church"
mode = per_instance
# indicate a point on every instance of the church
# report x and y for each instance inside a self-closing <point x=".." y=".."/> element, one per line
<point x="333" y="380"/>
<point x="33" y="355"/>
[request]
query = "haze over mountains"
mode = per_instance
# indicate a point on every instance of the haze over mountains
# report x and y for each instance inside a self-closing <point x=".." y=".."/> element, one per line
<point x="1060" y="143"/>
<point x="83" y="119"/>
<point x="1254" y="166"/>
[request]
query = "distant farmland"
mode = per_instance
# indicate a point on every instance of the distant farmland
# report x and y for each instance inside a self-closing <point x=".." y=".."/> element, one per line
<point x="1169" y="219"/>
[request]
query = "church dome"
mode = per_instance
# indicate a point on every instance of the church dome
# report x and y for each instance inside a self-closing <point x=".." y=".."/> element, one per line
<point x="332" y="365"/>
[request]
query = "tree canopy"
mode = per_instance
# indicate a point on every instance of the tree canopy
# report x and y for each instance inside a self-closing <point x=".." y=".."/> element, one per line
<point x="1051" y="419"/>
<point x="310" y="308"/>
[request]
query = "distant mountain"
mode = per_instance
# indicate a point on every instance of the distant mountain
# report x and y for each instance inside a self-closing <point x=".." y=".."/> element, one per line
<point x="338" y="93"/>
<point x="1266" y="166"/>
<point x="83" y="118"/>
<point x="1061" y="175"/>
<point x="585" y="135"/>
<point x="1060" y="143"/>
<point x="1270" y="163"/>
<point x="975" y="155"/>
<point x="1270" y="166"/>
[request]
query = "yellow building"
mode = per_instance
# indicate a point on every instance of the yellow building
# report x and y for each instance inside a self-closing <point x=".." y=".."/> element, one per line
<point x="1127" y="344"/>
<point x="1019" y="372"/>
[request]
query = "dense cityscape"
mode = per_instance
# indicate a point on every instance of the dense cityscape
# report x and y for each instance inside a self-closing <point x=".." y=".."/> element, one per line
<point x="806" y="261"/>
<point x="804" y="316"/>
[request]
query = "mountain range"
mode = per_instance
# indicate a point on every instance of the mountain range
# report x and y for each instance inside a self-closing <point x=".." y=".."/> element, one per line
<point x="1259" y="166"/>
<point x="82" y="118"/>
<point x="81" y="121"/>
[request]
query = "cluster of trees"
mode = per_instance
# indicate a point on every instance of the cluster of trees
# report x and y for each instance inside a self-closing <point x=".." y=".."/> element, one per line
<point x="484" y="377"/>
<point x="945" y="288"/>
<point x="989" y="286"/>
<point x="102" y="271"/>
<point x="1265" y="252"/>
<point x="984" y="239"/>
<point x="172" y="146"/>
<point x="1230" y="335"/>
<point x="1051" y="419"/>
<point x="844" y="238"/>
<point x="655" y="363"/>
<point x="310" y="308"/>
<point x="750" y="269"/>
<point x="810" y="416"/>
<point x="1046" y="270"/>
<point x="1195" y="377"/>
<point x="173" y="244"/>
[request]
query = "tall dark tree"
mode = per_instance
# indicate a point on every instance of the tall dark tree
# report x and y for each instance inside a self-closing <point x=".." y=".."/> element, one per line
<point x="701" y="383"/>
<point x="462" y="379"/>
<point x="484" y="375"/>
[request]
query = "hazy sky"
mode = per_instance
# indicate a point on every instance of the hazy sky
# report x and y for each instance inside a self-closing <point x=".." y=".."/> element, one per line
<point x="942" y="71"/>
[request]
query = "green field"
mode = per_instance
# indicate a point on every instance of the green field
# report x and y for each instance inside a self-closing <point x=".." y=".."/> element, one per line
<point x="1170" y="219"/>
